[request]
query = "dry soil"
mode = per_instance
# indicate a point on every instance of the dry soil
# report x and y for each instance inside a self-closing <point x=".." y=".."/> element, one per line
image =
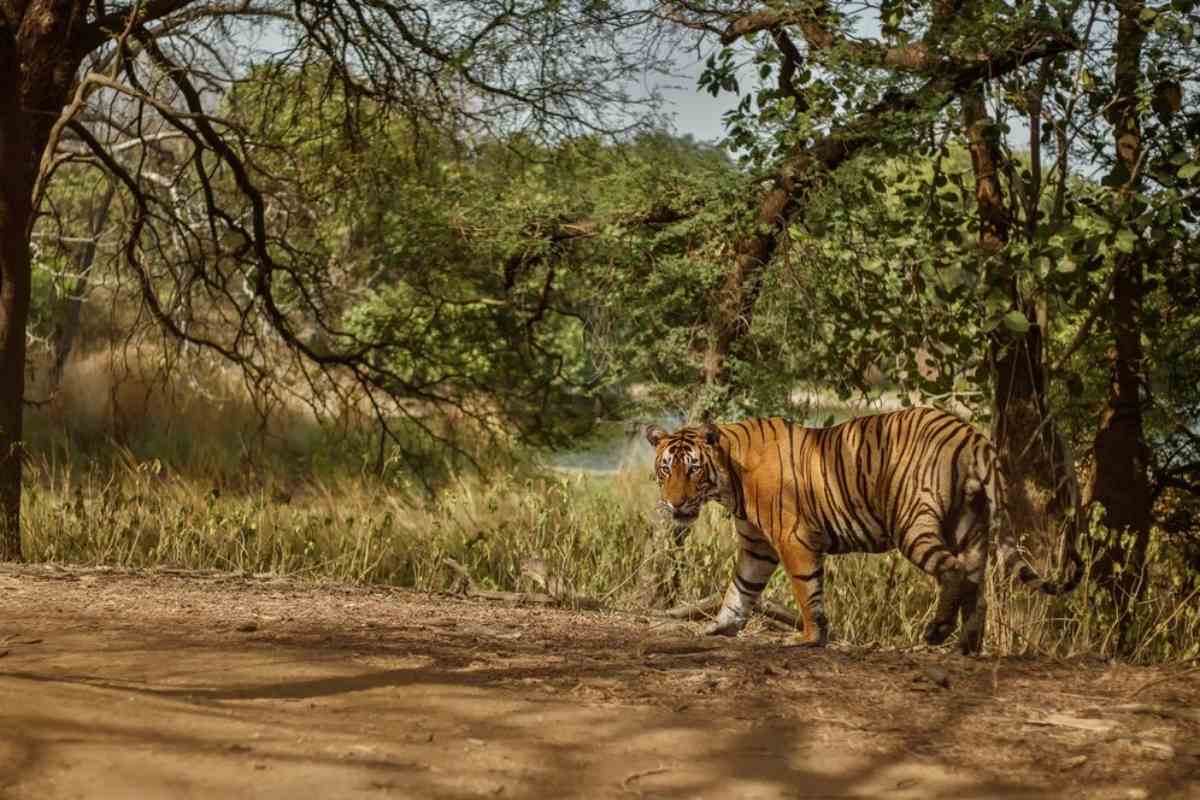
<point x="157" y="684"/>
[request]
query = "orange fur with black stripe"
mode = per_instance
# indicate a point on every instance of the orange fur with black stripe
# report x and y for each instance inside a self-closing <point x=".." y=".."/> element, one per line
<point x="920" y="480"/>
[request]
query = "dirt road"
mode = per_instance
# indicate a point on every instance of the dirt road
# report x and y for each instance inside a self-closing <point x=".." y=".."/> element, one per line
<point x="155" y="685"/>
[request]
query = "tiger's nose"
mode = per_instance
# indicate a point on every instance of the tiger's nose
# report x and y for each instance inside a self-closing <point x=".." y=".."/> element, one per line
<point x="681" y="514"/>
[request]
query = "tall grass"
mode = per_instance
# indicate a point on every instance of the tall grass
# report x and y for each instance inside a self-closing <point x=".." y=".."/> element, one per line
<point x="197" y="419"/>
<point x="587" y="531"/>
<point x="160" y="489"/>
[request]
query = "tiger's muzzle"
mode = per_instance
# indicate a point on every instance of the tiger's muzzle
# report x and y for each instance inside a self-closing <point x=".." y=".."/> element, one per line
<point x="682" y="516"/>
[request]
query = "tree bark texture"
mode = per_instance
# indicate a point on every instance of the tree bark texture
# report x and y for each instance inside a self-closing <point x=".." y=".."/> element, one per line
<point x="14" y="312"/>
<point x="15" y="214"/>
<point x="994" y="221"/>
<point x="1121" y="483"/>
<point x="37" y="70"/>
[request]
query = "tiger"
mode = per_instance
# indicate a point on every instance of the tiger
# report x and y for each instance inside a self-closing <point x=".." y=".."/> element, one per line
<point x="920" y="480"/>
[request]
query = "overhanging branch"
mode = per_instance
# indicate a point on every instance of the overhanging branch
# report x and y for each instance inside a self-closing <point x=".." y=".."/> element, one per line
<point x="801" y="170"/>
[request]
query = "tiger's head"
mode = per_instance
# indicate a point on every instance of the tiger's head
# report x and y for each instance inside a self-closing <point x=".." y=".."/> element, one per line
<point x="687" y="468"/>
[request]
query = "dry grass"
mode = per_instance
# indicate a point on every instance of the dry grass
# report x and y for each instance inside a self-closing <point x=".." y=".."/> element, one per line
<point x="119" y="403"/>
<point x="135" y="471"/>
<point x="587" y="530"/>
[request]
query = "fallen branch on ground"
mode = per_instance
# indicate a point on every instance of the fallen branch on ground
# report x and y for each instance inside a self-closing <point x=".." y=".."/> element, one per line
<point x="701" y="609"/>
<point x="646" y="773"/>
<point x="708" y="607"/>
<point x="781" y="614"/>
<point x="532" y="598"/>
<point x="465" y="585"/>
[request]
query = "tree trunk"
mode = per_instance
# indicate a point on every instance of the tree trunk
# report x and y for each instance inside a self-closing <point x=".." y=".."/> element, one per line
<point x="1041" y="482"/>
<point x="732" y="312"/>
<point x="14" y="312"/>
<point x="38" y="64"/>
<point x="1121" y="484"/>
<point x="994" y="222"/>
<point x="15" y="216"/>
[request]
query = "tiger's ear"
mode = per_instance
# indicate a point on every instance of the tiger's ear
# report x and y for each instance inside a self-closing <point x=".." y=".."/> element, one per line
<point x="654" y="433"/>
<point x="712" y="434"/>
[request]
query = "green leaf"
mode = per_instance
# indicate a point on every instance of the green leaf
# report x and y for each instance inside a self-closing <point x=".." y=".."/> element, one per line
<point x="1125" y="240"/>
<point x="1016" y="322"/>
<point x="1189" y="171"/>
<point x="952" y="277"/>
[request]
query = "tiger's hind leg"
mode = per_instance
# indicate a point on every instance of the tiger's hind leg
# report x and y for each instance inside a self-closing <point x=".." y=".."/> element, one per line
<point x="922" y="544"/>
<point x="973" y="543"/>
<point x="974" y="602"/>
<point x="950" y="598"/>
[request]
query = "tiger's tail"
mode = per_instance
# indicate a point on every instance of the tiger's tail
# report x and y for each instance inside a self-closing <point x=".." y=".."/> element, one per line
<point x="1008" y="551"/>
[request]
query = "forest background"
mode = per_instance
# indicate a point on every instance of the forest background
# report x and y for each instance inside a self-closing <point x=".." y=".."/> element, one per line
<point x="330" y="288"/>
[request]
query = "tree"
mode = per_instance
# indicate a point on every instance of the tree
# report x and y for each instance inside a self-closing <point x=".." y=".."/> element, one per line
<point x="120" y="78"/>
<point x="908" y="79"/>
<point x="1122" y="483"/>
<point x="1040" y="473"/>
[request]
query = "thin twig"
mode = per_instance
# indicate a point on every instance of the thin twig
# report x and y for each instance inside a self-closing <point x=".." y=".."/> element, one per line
<point x="702" y="609"/>
<point x="643" y="774"/>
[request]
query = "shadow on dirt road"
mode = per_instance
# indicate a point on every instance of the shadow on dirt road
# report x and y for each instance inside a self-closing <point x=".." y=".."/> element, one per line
<point x="116" y="685"/>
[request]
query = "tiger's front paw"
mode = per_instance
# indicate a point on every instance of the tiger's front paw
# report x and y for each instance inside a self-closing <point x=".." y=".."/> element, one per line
<point x="729" y="627"/>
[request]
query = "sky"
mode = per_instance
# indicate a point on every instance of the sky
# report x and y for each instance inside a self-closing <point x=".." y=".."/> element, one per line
<point x="692" y="110"/>
<point x="695" y="111"/>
